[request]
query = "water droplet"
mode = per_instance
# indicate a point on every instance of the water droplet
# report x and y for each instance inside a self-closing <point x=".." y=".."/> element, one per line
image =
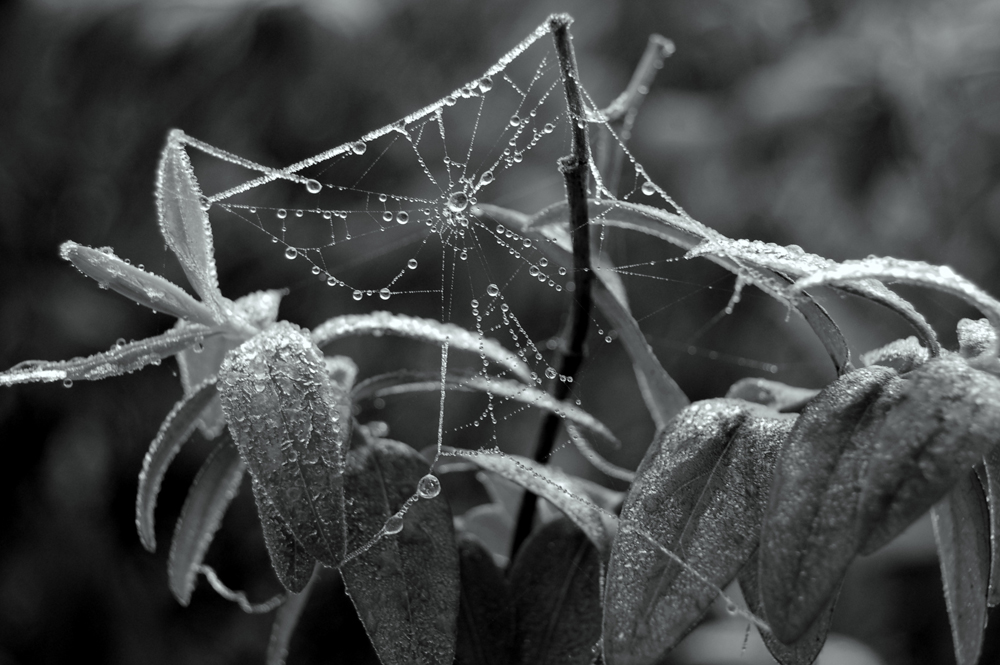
<point x="383" y="198"/>
<point x="327" y="215"/>
<point x="315" y="270"/>
<point x="385" y="293"/>
<point x="402" y="217"/>
<point x="291" y="253"/>
<point x="504" y="307"/>
<point x="386" y="216"/>
<point x="67" y="383"/>
<point x="412" y="264"/>
<point x="493" y="290"/>
<point x="313" y="186"/>
<point x="464" y="255"/>
<point x="608" y="339"/>
<point x="393" y="525"/>
<point x="533" y="271"/>
<point x="331" y="281"/>
<point x="514" y="121"/>
<point x="550" y="373"/>
<point x="486" y="84"/>
<point x="253" y="210"/>
<point x="648" y="188"/>
<point x="526" y="242"/>
<point x="199" y="346"/>
<point x="281" y="214"/>
<point x="500" y="229"/>
<point x="562" y="271"/>
<point x="357" y="295"/>
<point x="458" y="202"/>
<point x="429" y="486"/>
<point x="543" y="262"/>
<point x="359" y="147"/>
<point x="486" y="178"/>
<point x="518" y="156"/>
<point x="450" y="100"/>
<point x="298" y="213"/>
<point x="731" y="607"/>
<point x="204" y="203"/>
<point x="548" y="128"/>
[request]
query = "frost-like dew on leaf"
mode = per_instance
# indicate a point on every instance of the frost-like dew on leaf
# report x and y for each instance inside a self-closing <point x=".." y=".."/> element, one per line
<point x="774" y="394"/>
<point x="976" y="338"/>
<point x="901" y="355"/>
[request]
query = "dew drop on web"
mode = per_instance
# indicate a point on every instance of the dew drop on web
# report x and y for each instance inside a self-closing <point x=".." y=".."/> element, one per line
<point x="68" y="383"/>
<point x="359" y="147"/>
<point x="412" y="264"/>
<point x="486" y="178"/>
<point x="458" y="202"/>
<point x="385" y="294"/>
<point x="357" y="295"/>
<point x="393" y="525"/>
<point x="281" y="214"/>
<point x="402" y="217"/>
<point x="429" y="486"/>
<point x="550" y="373"/>
<point x="486" y="84"/>
<point x="313" y="186"/>
<point x="387" y="216"/>
<point x="493" y="290"/>
<point x="291" y="253"/>
<point x="648" y="188"/>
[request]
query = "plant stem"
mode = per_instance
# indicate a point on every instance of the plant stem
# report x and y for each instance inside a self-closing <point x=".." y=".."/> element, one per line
<point x="575" y="170"/>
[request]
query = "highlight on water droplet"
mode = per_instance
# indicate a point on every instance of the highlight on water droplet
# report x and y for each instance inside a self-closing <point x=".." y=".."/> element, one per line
<point x="543" y="262"/>
<point x="548" y="128"/>
<point x="458" y="201"/>
<point x="313" y="186"/>
<point x="486" y="178"/>
<point x="429" y="486"/>
<point x="550" y="373"/>
<point x="281" y="213"/>
<point x="394" y="524"/>
<point x="648" y="188"/>
<point x="359" y="147"/>
<point x="486" y="84"/>
<point x="493" y="290"/>
<point x="357" y="295"/>
<point x="533" y="271"/>
<point x="331" y="281"/>
<point x="402" y="217"/>
<point x="385" y="293"/>
<point x="291" y="252"/>
<point x="412" y="264"/>
<point x="464" y="255"/>
<point x="515" y="121"/>
<point x="383" y="198"/>
<point x="386" y="216"/>
<point x="562" y="271"/>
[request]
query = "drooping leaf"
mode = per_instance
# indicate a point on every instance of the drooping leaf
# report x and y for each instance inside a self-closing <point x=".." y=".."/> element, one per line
<point x="134" y="283"/>
<point x="176" y="429"/>
<point x="426" y="330"/>
<point x="813" y="525"/>
<point x="557" y="596"/>
<point x="213" y="489"/>
<point x="396" y="383"/>
<point x="804" y="650"/>
<point x="115" y="362"/>
<point x="946" y="420"/>
<point x="689" y="524"/>
<point x="961" y="529"/>
<point x="290" y="423"/>
<point x="285" y="621"/>
<point x="184" y="221"/>
<point x="779" y="396"/>
<point x="560" y="489"/>
<point x="405" y="586"/>
<point x="485" y="611"/>
<point x="991" y="473"/>
<point x="901" y="355"/>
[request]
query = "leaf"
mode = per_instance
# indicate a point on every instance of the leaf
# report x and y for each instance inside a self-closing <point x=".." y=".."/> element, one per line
<point x="115" y="362"/>
<point x="405" y="586"/>
<point x="689" y="524"/>
<point x="557" y="596"/>
<point x="803" y="651"/>
<point x="560" y="489"/>
<point x="292" y="425"/>
<point x="961" y="529"/>
<point x="975" y="338"/>
<point x="991" y="471"/>
<point x="812" y="528"/>
<point x="134" y="283"/>
<point x="493" y="526"/>
<point x="426" y="330"/>
<point x="214" y="487"/>
<point x="946" y="420"/>
<point x="396" y="383"/>
<point x="184" y="221"/>
<point x="291" y="562"/>
<point x="774" y="394"/>
<point x="285" y="621"/>
<point x="174" y="432"/>
<point x="485" y="610"/>
<point x="902" y="355"/>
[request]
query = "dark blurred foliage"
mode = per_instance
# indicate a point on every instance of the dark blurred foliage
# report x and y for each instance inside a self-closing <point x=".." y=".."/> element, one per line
<point x="850" y="127"/>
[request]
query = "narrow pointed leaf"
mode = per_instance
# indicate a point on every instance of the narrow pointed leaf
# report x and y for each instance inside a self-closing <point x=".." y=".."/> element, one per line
<point x="804" y="650"/>
<point x="292" y="425"/>
<point x="774" y="394"/>
<point x="426" y="330"/>
<point x="902" y="355"/>
<point x="176" y="429"/>
<point x="292" y="564"/>
<point x="397" y="383"/>
<point x="991" y="471"/>
<point x="285" y="621"/>
<point x="689" y="524"/>
<point x="557" y="600"/>
<point x="485" y="610"/>
<point x="213" y="489"/>
<point x="115" y="362"/>
<point x="945" y="422"/>
<point x="405" y="586"/>
<point x="184" y="221"/>
<point x="560" y="489"/>
<point x="813" y="525"/>
<point x="961" y="529"/>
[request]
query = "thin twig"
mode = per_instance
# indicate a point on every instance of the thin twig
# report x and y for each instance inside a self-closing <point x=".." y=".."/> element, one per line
<point x="575" y="169"/>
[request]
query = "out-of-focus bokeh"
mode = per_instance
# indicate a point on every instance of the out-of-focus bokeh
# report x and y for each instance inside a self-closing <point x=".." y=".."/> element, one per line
<point x="849" y="127"/>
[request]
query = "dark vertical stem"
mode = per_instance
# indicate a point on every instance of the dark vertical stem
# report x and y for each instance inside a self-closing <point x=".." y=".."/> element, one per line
<point x="575" y="170"/>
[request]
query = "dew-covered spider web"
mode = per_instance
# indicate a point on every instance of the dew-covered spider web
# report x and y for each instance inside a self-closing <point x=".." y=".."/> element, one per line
<point x="457" y="213"/>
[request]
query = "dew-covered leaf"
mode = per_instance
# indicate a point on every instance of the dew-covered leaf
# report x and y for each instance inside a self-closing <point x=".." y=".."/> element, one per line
<point x="184" y="221"/>
<point x="397" y="383"/>
<point x="689" y="524"/>
<point x="292" y="425"/>
<point x="485" y="610"/>
<point x="292" y="564"/>
<point x="975" y="337"/>
<point x="556" y="580"/>
<point x="961" y="529"/>
<point x="405" y="586"/>
<point x="560" y="489"/>
<point x="115" y="362"/>
<point x="285" y="621"/>
<point x="990" y="472"/>
<point x="901" y="355"/>
<point x="426" y="330"/>
<point x="213" y="489"/>
<point x="804" y="650"/>
<point x="134" y="283"/>
<point x="946" y="420"/>
<point x="174" y="432"/>
<point x="774" y="394"/>
<point x="812" y="528"/>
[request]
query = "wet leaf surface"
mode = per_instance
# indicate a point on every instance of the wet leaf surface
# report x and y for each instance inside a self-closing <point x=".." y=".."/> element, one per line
<point x="485" y="611"/>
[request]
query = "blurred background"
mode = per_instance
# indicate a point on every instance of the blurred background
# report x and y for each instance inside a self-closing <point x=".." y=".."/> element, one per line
<point x="849" y="127"/>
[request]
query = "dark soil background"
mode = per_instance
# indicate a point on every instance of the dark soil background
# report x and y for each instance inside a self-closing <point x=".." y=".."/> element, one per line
<point x="849" y="127"/>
